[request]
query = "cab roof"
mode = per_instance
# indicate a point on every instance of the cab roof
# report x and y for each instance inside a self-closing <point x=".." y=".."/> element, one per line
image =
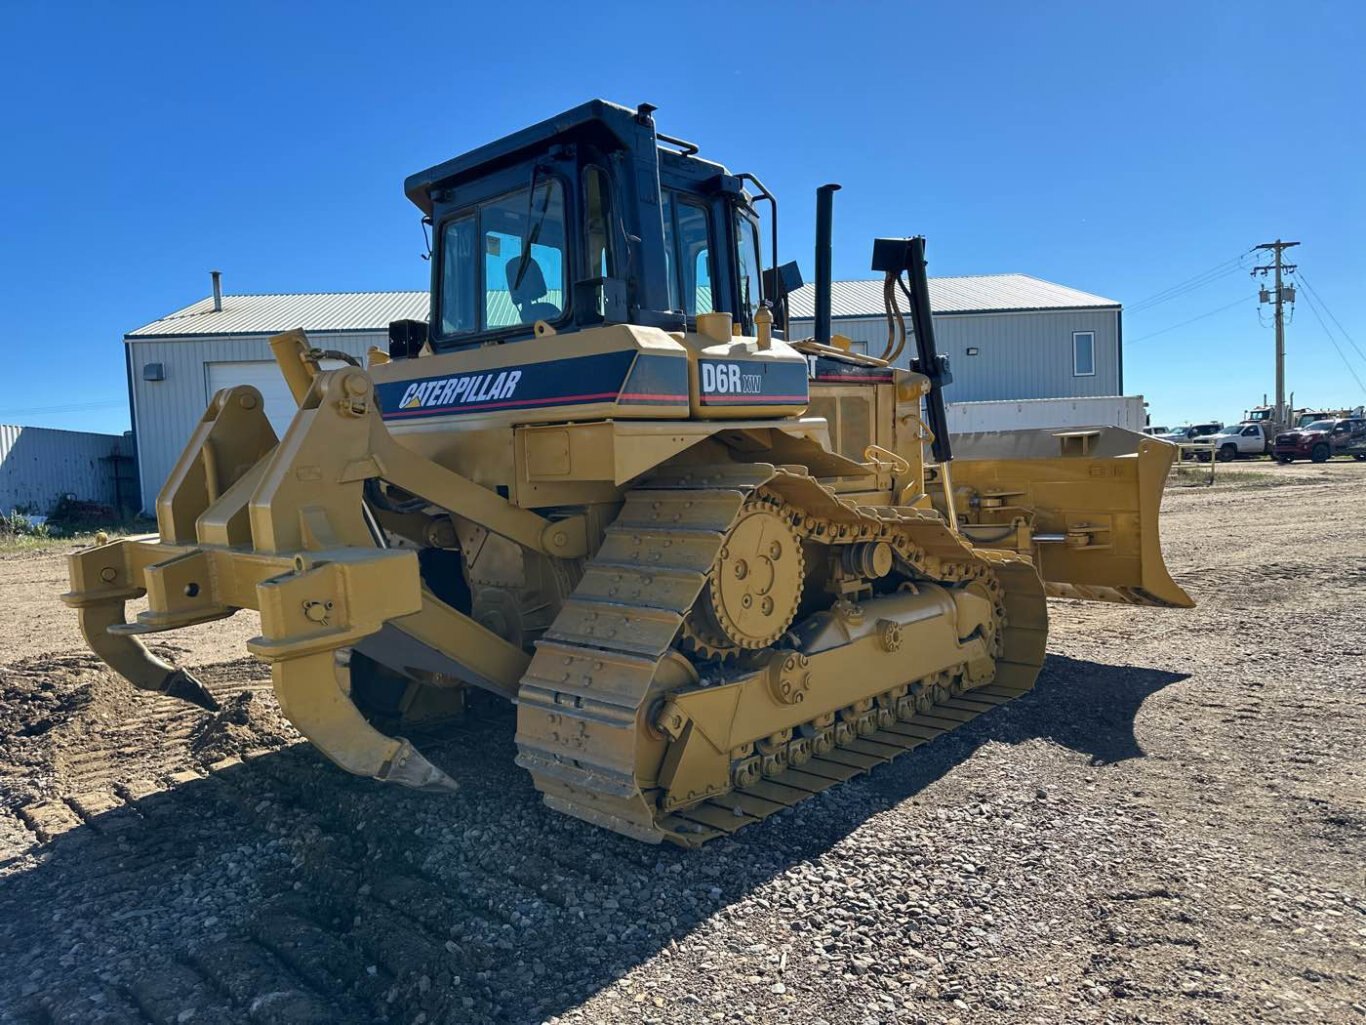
<point x="614" y="125"/>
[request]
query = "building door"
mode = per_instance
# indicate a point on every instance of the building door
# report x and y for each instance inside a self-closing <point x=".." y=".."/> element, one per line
<point x="263" y="375"/>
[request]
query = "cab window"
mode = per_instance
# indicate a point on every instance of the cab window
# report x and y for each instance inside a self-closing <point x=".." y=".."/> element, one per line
<point x="747" y="260"/>
<point x="524" y="266"/>
<point x="503" y="264"/>
<point x="670" y="259"/>
<point x="687" y="254"/>
<point x="459" y="310"/>
<point x="694" y="257"/>
<point x="598" y="223"/>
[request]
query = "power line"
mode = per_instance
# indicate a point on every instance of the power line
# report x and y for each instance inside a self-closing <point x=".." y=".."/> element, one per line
<point x="1221" y="309"/>
<point x="1216" y="273"/>
<point x="1314" y="309"/>
<point x="1218" y="268"/>
<point x="1178" y="293"/>
<point x="1327" y="310"/>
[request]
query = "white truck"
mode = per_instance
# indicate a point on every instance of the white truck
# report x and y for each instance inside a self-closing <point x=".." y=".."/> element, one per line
<point x="1249" y="438"/>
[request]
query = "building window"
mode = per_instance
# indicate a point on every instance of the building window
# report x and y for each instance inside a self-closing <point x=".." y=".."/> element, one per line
<point x="1083" y="354"/>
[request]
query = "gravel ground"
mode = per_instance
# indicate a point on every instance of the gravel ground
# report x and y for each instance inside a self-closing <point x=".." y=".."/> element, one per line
<point x="1170" y="828"/>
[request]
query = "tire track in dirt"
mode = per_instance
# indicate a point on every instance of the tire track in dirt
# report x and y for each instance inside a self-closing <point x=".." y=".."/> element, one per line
<point x="72" y="734"/>
<point x="1154" y="824"/>
<point x="424" y="943"/>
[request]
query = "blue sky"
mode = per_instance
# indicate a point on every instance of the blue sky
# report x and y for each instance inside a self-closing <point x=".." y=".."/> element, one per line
<point x="1120" y="149"/>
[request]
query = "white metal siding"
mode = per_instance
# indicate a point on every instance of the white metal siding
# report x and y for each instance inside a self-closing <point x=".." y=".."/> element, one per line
<point x="165" y="412"/>
<point x="1019" y="355"/>
<point x="265" y="377"/>
<point x="39" y="465"/>
<point x="1005" y="415"/>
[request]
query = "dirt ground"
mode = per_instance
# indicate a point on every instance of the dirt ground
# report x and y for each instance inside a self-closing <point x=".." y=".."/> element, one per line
<point x="1170" y="828"/>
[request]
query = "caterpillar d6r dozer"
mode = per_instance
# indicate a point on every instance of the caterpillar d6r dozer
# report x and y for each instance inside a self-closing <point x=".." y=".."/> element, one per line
<point x="717" y="569"/>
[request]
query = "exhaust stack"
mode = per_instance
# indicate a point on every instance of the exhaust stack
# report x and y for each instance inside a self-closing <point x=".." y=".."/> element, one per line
<point x="825" y="211"/>
<point x="217" y="276"/>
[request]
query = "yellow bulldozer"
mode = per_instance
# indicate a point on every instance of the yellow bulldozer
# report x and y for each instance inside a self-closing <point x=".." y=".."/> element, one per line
<point x="716" y="568"/>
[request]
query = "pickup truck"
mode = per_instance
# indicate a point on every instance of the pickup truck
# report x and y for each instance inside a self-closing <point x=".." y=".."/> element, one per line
<point x="1192" y="431"/>
<point x="1244" y="439"/>
<point x="1192" y="434"/>
<point x="1321" y="440"/>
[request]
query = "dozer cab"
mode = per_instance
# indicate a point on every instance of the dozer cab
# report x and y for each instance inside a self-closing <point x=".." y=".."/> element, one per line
<point x="717" y="569"/>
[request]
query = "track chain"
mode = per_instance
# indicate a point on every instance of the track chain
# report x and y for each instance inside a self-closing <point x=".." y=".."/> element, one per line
<point x="586" y="699"/>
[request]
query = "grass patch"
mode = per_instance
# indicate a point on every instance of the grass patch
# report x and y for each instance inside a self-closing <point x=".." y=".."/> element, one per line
<point x="64" y="540"/>
<point x="82" y="523"/>
<point x="1190" y="475"/>
<point x="17" y="524"/>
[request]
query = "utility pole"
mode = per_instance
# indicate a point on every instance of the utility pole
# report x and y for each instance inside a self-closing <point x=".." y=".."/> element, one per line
<point x="1283" y="294"/>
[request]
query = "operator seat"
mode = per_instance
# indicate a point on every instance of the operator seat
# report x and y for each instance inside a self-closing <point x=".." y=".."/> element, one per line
<point x="526" y="296"/>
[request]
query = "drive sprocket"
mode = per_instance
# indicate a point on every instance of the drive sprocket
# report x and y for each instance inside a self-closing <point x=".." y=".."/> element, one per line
<point x="754" y="587"/>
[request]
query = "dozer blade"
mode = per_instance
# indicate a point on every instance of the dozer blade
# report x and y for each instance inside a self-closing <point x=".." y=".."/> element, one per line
<point x="1091" y="498"/>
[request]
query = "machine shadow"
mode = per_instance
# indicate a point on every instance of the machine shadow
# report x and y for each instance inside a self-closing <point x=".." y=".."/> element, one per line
<point x="283" y="875"/>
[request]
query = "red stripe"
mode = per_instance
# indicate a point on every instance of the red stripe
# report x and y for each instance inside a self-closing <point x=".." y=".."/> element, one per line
<point x="647" y="397"/>
<point x="503" y="405"/>
<point x="754" y="400"/>
<point x="853" y="377"/>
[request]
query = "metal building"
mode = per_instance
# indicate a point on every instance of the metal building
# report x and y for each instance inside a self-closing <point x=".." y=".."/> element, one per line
<point x="1007" y="336"/>
<point x="175" y="364"/>
<point x="41" y="465"/>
